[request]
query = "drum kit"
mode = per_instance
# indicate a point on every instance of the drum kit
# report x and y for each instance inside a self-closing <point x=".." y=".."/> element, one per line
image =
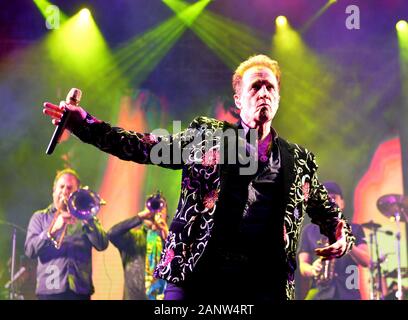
<point x="394" y="207"/>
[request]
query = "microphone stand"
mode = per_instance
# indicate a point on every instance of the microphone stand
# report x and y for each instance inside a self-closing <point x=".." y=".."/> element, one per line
<point x="379" y="274"/>
<point x="372" y="289"/>
<point x="398" y="249"/>
<point x="13" y="255"/>
<point x="13" y="277"/>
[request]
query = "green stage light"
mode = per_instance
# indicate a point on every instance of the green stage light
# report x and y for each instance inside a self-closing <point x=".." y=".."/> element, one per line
<point x="281" y="21"/>
<point x="302" y="69"/>
<point x="43" y="5"/>
<point x="401" y="26"/>
<point x="317" y="15"/>
<point x="308" y="84"/>
<point x="402" y="34"/>
<point x="84" y="15"/>
<point x="235" y="43"/>
<point x="78" y="45"/>
<point x="50" y="12"/>
<point x="186" y="12"/>
<point x="139" y="56"/>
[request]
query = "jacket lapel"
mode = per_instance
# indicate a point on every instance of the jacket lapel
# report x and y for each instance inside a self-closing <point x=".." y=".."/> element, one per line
<point x="287" y="165"/>
<point x="224" y="169"/>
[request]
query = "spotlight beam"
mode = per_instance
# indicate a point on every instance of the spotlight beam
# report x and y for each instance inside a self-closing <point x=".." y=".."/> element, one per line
<point x="234" y="43"/>
<point x="316" y="16"/>
<point x="44" y="6"/>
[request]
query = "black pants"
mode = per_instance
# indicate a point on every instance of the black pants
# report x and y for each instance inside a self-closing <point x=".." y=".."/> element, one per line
<point x="67" y="295"/>
<point x="239" y="280"/>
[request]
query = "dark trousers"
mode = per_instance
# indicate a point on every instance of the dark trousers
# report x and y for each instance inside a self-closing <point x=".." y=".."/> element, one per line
<point x="214" y="281"/>
<point x="67" y="295"/>
<point x="174" y="292"/>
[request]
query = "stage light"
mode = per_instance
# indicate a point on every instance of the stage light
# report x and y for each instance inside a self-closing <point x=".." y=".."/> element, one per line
<point x="235" y="43"/>
<point x="187" y="13"/>
<point x="84" y="15"/>
<point x="401" y="26"/>
<point x="402" y="35"/>
<point x="281" y="21"/>
<point x="79" y="46"/>
<point x="317" y="15"/>
<point x="53" y="15"/>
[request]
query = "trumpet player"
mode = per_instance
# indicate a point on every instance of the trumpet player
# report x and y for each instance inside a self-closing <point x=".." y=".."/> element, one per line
<point x="140" y="241"/>
<point x="330" y="277"/>
<point x="62" y="245"/>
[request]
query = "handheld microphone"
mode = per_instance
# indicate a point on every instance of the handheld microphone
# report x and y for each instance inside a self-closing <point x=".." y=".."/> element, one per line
<point x="73" y="98"/>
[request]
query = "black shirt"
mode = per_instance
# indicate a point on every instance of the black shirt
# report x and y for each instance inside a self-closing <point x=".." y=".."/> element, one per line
<point x="248" y="232"/>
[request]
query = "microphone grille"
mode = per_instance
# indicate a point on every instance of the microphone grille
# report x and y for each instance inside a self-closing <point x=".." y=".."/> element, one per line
<point x="74" y="96"/>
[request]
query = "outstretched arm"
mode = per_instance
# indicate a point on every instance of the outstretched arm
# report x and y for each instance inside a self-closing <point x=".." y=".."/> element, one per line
<point x="145" y="148"/>
<point x="326" y="214"/>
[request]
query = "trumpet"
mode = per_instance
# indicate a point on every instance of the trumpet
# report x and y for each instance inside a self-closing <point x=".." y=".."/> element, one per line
<point x="327" y="273"/>
<point x="156" y="202"/>
<point x="83" y="204"/>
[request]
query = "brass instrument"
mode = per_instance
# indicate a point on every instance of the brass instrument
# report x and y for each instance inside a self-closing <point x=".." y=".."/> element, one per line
<point x="83" y="204"/>
<point x="327" y="273"/>
<point x="156" y="202"/>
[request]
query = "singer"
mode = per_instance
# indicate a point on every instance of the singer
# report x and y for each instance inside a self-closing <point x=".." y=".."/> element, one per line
<point x="231" y="231"/>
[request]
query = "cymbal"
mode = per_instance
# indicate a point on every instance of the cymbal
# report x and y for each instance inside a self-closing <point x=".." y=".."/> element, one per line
<point x="390" y="204"/>
<point x="394" y="273"/>
<point x="371" y="225"/>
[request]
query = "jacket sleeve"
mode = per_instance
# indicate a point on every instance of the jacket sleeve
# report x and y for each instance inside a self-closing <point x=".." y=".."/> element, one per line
<point x="119" y="234"/>
<point x="323" y="211"/>
<point x="36" y="238"/>
<point x="146" y="148"/>
<point x="96" y="235"/>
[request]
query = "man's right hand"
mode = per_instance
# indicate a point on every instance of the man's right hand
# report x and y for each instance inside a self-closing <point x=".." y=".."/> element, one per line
<point x="77" y="114"/>
<point x="146" y="214"/>
<point x="62" y="219"/>
<point x="316" y="267"/>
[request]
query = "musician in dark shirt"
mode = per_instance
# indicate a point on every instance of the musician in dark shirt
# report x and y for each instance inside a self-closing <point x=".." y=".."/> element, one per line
<point x="332" y="279"/>
<point x="140" y="241"/>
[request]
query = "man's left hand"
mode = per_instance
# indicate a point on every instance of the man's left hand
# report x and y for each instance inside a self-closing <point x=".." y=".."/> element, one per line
<point x="336" y="249"/>
<point x="161" y="224"/>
